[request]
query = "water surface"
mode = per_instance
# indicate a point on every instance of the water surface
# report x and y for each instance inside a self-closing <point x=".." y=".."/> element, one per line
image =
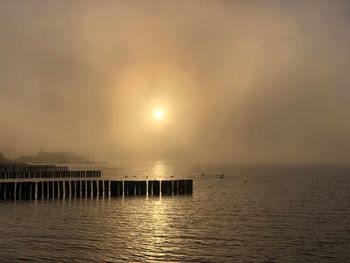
<point x="253" y="214"/>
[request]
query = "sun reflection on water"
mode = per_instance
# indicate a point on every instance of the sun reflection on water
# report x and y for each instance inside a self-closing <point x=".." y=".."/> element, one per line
<point x="159" y="220"/>
<point x="160" y="170"/>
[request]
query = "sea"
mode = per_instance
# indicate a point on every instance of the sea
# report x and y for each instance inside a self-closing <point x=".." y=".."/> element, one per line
<point x="237" y="213"/>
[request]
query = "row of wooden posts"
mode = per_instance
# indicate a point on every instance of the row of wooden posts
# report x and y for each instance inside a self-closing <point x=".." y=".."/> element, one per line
<point x="58" y="189"/>
<point x="19" y="167"/>
<point x="39" y="173"/>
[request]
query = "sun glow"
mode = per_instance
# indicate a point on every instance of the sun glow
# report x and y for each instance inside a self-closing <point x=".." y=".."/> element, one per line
<point x="158" y="114"/>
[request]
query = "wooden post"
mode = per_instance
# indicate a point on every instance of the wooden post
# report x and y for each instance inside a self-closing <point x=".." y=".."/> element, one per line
<point x="32" y="190"/>
<point x="189" y="187"/>
<point x="18" y="186"/>
<point x="94" y="188"/>
<point x="114" y="188"/>
<point x="106" y="188"/>
<point x="156" y="188"/>
<point x="22" y="194"/>
<point x="5" y="192"/>
<point x="83" y="189"/>
<point x="10" y="191"/>
<point x="67" y="189"/>
<point x="60" y="189"/>
<point x="88" y="188"/>
<point x="126" y="188"/>
<point x="150" y="188"/>
<point x="39" y="190"/>
<point x="181" y="187"/>
<point x="137" y="187"/>
<point x="27" y="190"/>
<point x="45" y="189"/>
<point x="143" y="188"/>
<point x="166" y="187"/>
<point x="175" y="186"/>
<point x="120" y="188"/>
<point x="130" y="188"/>
<point x="50" y="189"/>
<point x="55" y="189"/>
<point x="78" y="189"/>
<point x="73" y="189"/>
<point x="100" y="188"/>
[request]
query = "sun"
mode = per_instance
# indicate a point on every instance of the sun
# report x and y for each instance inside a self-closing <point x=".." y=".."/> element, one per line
<point x="158" y="114"/>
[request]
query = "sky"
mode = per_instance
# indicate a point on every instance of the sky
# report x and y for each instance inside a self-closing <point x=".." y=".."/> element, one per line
<point x="238" y="81"/>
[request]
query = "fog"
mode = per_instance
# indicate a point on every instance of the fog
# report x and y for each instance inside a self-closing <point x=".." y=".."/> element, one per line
<point x="239" y="81"/>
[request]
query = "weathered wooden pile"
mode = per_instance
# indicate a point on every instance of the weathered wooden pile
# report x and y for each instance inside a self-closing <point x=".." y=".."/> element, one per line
<point x="25" y="171"/>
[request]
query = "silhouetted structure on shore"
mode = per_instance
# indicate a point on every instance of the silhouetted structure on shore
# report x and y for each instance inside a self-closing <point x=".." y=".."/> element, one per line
<point x="53" y="158"/>
<point x="3" y="159"/>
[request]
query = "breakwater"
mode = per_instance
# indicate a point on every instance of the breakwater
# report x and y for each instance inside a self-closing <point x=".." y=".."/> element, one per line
<point x="58" y="182"/>
<point x="24" y="171"/>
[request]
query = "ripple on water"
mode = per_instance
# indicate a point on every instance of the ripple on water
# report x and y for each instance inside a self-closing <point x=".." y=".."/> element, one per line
<point x="228" y="220"/>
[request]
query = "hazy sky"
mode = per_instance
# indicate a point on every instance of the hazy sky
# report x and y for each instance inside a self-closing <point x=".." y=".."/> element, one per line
<point x="240" y="81"/>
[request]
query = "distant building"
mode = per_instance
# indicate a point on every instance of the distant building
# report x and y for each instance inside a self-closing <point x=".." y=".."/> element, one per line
<point x="3" y="159"/>
<point x="53" y="158"/>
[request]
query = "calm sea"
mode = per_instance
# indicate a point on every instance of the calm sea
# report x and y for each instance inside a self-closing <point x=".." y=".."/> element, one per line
<point x="253" y="214"/>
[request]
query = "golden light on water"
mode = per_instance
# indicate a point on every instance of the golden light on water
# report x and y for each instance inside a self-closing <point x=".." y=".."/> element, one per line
<point x="160" y="170"/>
